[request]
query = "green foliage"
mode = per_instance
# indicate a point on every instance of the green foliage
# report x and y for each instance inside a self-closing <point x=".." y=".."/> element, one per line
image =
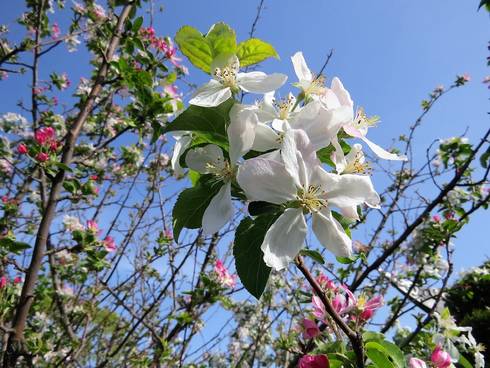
<point x="220" y="41"/>
<point x="191" y="204"/>
<point x="210" y="123"/>
<point x="13" y="246"/>
<point x="253" y="51"/>
<point x="468" y="300"/>
<point x="249" y="263"/>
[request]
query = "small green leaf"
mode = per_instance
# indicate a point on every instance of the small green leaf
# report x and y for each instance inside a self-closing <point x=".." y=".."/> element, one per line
<point x="138" y="22"/>
<point x="210" y="122"/>
<point x="253" y="51"/>
<point x="464" y="362"/>
<point x="484" y="159"/>
<point x="13" y="246"/>
<point x="249" y="263"/>
<point x="314" y="255"/>
<point x="345" y="260"/>
<point x="192" y="202"/>
<point x="221" y="39"/>
<point x="193" y="45"/>
<point x="193" y="176"/>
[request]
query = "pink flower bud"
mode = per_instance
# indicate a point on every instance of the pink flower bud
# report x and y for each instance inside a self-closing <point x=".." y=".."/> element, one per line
<point x="314" y="361"/>
<point x="440" y="358"/>
<point x="436" y="218"/>
<point x="3" y="282"/>
<point x="416" y="363"/>
<point x="22" y="148"/>
<point x="310" y="329"/>
<point x="17" y="280"/>
<point x="109" y="244"/>
<point x="42" y="157"/>
<point x="92" y="226"/>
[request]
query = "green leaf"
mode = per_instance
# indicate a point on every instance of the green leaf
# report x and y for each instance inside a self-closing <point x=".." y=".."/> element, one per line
<point x="221" y="39"/>
<point x="13" y="246"/>
<point x="345" y="260"/>
<point x="314" y="255"/>
<point x="249" y="263"/>
<point x="375" y="352"/>
<point x="210" y="122"/>
<point x="464" y="362"/>
<point x="485" y="158"/>
<point x="253" y="51"/>
<point x="385" y="354"/>
<point x="192" y="202"/>
<point x="344" y="221"/>
<point x="259" y="208"/>
<point x="193" y="176"/>
<point x="138" y="22"/>
<point x="193" y="45"/>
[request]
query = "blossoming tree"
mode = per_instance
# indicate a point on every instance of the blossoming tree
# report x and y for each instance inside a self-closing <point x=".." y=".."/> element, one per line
<point x="138" y="229"/>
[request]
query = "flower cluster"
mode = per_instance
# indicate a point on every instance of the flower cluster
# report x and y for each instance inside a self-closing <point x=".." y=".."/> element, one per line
<point x="286" y="170"/>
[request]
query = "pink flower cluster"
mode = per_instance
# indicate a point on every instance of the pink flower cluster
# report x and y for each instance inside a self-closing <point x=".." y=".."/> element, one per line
<point x="439" y="359"/>
<point x="4" y="281"/>
<point x="164" y="45"/>
<point x="224" y="276"/>
<point x="108" y="242"/>
<point x="344" y="302"/>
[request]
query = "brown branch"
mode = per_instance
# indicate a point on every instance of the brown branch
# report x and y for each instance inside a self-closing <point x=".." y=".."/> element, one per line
<point x="354" y="337"/>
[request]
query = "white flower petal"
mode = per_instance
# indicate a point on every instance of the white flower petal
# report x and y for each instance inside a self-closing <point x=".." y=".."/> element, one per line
<point x="241" y="131"/>
<point x="350" y="212"/>
<point x="331" y="234"/>
<point x="342" y="94"/>
<point x="284" y="239"/>
<point x="181" y="144"/>
<point x="290" y="157"/>
<point x="265" y="138"/>
<point x="211" y="94"/>
<point x="347" y="189"/>
<point x="382" y="153"/>
<point x="219" y="211"/>
<point x="204" y="159"/>
<point x="266" y="180"/>
<point x="259" y="82"/>
<point x="300" y="68"/>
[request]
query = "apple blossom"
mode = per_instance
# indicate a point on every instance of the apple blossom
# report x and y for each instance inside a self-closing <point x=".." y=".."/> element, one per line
<point x="228" y="81"/>
<point x="109" y="244"/>
<point x="42" y="157"/>
<point x="310" y="329"/>
<point x="307" y="81"/>
<point x="223" y="274"/>
<point x="22" y="148"/>
<point x="416" y="363"/>
<point x="440" y="358"/>
<point x="296" y="179"/>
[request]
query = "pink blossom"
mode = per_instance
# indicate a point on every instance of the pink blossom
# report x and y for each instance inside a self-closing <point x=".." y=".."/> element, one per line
<point x="314" y="361"/>
<point x="17" y="280"/>
<point x="326" y="283"/>
<point x="42" y="157"/>
<point x="310" y="329"/>
<point x="440" y="358"/>
<point x="169" y="235"/>
<point x="171" y="53"/>
<point x="466" y="77"/>
<point x="45" y="135"/>
<point x="436" y="218"/>
<point x="172" y="91"/>
<point x="109" y="244"/>
<point x="3" y="282"/>
<point x="318" y="308"/>
<point x="223" y="275"/>
<point x="22" y="148"/>
<point x="92" y="226"/>
<point x="55" y="31"/>
<point x="416" y="363"/>
<point x="99" y="12"/>
<point x="370" y="307"/>
<point x="5" y="199"/>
